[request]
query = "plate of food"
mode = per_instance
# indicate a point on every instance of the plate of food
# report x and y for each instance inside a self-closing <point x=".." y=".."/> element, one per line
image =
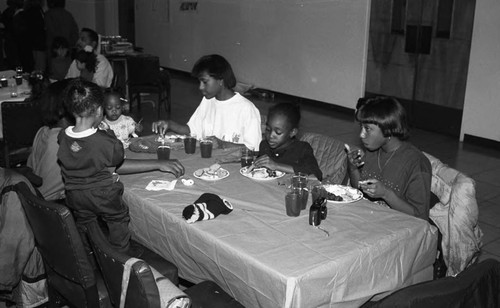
<point x="149" y="144"/>
<point x="261" y="174"/>
<point x="212" y="173"/>
<point x="342" y="194"/>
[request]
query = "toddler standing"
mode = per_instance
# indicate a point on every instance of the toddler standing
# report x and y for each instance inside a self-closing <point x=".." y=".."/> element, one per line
<point x="88" y="157"/>
<point x="123" y="126"/>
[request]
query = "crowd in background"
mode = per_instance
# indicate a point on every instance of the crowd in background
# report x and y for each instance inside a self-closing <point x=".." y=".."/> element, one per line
<point x="36" y="39"/>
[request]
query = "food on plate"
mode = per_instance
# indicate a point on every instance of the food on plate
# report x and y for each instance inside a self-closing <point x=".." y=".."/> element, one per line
<point x="334" y="197"/>
<point x="214" y="171"/>
<point x="340" y="193"/>
<point x="260" y="173"/>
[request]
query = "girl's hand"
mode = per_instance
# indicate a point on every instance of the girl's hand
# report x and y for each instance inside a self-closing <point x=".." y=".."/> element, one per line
<point x="373" y="188"/>
<point x="265" y="161"/>
<point x="355" y="158"/>
<point x="160" y="127"/>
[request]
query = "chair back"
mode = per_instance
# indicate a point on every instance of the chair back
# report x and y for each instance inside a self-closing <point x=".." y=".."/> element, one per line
<point x="477" y="286"/>
<point x="456" y="215"/>
<point x="143" y="288"/>
<point x="69" y="271"/>
<point x="143" y="70"/>
<point x="21" y="121"/>
<point x="330" y="154"/>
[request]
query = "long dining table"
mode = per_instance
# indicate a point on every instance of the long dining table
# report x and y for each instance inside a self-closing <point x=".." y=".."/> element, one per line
<point x="264" y="258"/>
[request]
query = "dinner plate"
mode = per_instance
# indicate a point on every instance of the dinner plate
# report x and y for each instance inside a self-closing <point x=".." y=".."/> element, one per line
<point x="206" y="175"/>
<point x="260" y="174"/>
<point x="347" y="193"/>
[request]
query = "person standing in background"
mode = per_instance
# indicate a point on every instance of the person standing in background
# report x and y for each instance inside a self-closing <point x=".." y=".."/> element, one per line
<point x="10" y="46"/>
<point x="59" y="22"/>
<point x="29" y="32"/>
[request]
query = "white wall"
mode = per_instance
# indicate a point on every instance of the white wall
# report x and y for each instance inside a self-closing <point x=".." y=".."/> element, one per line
<point x="311" y="48"/>
<point x="481" y="117"/>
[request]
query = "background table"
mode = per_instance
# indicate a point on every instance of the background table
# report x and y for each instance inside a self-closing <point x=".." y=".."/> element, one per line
<point x="266" y="259"/>
<point x="5" y="93"/>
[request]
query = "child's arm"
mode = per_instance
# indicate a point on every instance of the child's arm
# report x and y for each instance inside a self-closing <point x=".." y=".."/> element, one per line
<point x="266" y="161"/>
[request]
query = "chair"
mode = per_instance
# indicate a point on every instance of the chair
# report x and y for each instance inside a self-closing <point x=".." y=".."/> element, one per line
<point x="146" y="76"/>
<point x="477" y="286"/>
<point x="21" y="121"/>
<point x="331" y="156"/>
<point x="456" y="216"/>
<point x="146" y="287"/>
<point x="70" y="275"/>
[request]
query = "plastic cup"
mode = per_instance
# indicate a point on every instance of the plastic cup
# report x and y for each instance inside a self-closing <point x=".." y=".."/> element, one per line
<point x="4" y="82"/>
<point x="19" y="80"/>
<point x="163" y="152"/>
<point x="206" y="148"/>
<point x="246" y="157"/>
<point x="304" y="197"/>
<point x="190" y="144"/>
<point x="299" y="180"/>
<point x="293" y="203"/>
<point x="13" y="90"/>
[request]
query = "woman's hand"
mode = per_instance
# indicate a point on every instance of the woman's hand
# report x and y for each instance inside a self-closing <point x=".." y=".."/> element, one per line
<point x="373" y="188"/>
<point x="160" y="127"/>
<point x="172" y="166"/>
<point x="265" y="161"/>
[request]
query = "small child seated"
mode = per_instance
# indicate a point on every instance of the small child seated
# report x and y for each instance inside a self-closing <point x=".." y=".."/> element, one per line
<point x="123" y="126"/>
<point x="281" y="150"/>
<point x="88" y="157"/>
<point x="60" y="61"/>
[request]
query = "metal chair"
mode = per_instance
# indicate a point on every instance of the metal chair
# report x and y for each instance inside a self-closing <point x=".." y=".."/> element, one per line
<point x="71" y="277"/>
<point x="146" y="287"/>
<point x="146" y="76"/>
<point x="21" y="121"/>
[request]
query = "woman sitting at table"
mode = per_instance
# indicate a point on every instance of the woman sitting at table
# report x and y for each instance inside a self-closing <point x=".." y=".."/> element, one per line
<point x="392" y="171"/>
<point x="43" y="158"/>
<point x="223" y="115"/>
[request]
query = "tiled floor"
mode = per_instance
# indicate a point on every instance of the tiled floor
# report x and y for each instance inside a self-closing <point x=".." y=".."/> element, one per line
<point x="481" y="163"/>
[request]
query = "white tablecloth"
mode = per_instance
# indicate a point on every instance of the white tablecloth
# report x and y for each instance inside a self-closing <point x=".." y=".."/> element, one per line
<point x="264" y="258"/>
<point x="5" y="93"/>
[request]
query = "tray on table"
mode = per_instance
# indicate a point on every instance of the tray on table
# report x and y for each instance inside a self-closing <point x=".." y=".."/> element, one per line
<point x="149" y="144"/>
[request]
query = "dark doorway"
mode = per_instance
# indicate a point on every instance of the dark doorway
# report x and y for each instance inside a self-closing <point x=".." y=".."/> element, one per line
<point x="419" y="53"/>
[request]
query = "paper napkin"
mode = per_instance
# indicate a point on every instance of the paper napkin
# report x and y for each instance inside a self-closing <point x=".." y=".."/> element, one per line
<point x="161" y="185"/>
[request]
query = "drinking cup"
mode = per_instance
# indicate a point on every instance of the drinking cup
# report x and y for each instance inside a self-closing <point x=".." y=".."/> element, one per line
<point x="190" y="144"/>
<point x="19" y="79"/>
<point x="293" y="203"/>
<point x="13" y="90"/>
<point x="163" y="152"/>
<point x="4" y="82"/>
<point x="206" y="148"/>
<point x="304" y="197"/>
<point x="299" y="180"/>
<point x="246" y="157"/>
